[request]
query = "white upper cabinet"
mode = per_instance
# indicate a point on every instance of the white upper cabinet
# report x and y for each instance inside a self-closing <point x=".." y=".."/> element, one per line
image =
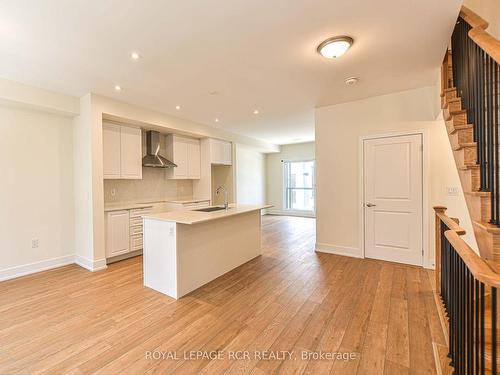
<point x="185" y="152"/>
<point x="194" y="161"/>
<point x="111" y="151"/>
<point x="122" y="152"/>
<point x="220" y="152"/>
<point x="131" y="152"/>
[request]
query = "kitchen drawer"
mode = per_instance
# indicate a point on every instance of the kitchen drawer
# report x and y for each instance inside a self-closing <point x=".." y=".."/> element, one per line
<point x="136" y="242"/>
<point x="136" y="229"/>
<point x="135" y="221"/>
<point x="139" y="212"/>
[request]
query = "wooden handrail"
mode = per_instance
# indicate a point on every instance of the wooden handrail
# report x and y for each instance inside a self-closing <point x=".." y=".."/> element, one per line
<point x="487" y="42"/>
<point x="476" y="265"/>
<point x="482" y="38"/>
<point x="450" y="223"/>
<point x="481" y="270"/>
<point x="472" y="18"/>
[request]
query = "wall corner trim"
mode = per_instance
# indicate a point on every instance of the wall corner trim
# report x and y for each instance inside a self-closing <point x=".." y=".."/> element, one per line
<point x="348" y="251"/>
<point x="91" y="265"/>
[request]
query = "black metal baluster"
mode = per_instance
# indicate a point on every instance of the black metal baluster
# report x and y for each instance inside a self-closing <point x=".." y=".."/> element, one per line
<point x="496" y="109"/>
<point x="452" y="308"/>
<point x="469" y="322"/>
<point x="482" y="123"/>
<point x="494" y="330"/>
<point x="481" y="297"/>
<point x="478" y="313"/>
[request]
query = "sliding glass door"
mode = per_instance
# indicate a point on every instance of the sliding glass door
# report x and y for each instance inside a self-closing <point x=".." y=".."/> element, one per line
<point x="299" y="183"/>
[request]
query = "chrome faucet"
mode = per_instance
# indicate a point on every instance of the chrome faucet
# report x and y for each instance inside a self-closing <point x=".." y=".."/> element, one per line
<point x="226" y="204"/>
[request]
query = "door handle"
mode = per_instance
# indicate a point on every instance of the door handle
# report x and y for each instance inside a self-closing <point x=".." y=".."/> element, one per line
<point x="370" y="205"/>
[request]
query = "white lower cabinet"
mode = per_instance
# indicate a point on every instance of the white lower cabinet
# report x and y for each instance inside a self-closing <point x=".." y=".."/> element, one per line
<point x="124" y="231"/>
<point x="117" y="233"/>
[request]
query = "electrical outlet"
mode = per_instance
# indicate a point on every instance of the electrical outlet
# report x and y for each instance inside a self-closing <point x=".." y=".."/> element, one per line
<point x="34" y="243"/>
<point x="452" y="190"/>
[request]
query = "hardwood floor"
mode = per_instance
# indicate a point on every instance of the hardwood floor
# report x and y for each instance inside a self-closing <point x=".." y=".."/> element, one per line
<point x="289" y="301"/>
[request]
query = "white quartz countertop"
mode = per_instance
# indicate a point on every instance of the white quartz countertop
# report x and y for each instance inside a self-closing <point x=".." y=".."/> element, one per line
<point x="125" y="206"/>
<point x="116" y="206"/>
<point x="195" y="217"/>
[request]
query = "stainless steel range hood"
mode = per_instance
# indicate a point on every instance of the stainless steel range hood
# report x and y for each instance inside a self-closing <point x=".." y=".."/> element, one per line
<point x="153" y="158"/>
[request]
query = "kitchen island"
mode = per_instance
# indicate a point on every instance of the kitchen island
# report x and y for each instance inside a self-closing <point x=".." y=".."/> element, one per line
<point x="186" y="249"/>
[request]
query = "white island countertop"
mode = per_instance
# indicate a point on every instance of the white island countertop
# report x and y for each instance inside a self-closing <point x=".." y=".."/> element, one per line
<point x="195" y="217"/>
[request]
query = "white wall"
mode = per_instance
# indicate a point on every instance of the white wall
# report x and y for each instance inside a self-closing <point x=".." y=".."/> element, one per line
<point x="338" y="132"/>
<point x="274" y="166"/>
<point x="36" y="193"/>
<point x="250" y="175"/>
<point x="489" y="10"/>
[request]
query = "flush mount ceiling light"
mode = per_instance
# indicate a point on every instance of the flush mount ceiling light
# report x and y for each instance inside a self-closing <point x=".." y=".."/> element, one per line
<point x="335" y="47"/>
<point x="135" y="56"/>
<point x="256" y="112"/>
<point x="216" y="120"/>
<point x="118" y="88"/>
<point x="177" y="107"/>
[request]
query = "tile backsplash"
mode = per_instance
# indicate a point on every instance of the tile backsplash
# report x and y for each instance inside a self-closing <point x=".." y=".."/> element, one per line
<point x="153" y="186"/>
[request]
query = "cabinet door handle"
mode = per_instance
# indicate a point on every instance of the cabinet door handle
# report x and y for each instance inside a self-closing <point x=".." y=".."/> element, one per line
<point x="370" y="205"/>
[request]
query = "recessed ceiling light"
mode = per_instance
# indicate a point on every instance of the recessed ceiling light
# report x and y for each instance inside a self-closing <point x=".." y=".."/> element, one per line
<point x="118" y="88"/>
<point x="256" y="112"/>
<point x="351" y="81"/>
<point x="216" y="120"/>
<point x="177" y="107"/>
<point x="335" y="47"/>
<point x="135" y="56"/>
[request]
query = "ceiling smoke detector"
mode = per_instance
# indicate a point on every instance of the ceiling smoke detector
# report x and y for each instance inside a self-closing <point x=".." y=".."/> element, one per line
<point x="351" y="81"/>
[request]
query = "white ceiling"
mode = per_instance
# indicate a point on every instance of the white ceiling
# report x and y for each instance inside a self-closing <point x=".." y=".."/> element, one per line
<point x="257" y="54"/>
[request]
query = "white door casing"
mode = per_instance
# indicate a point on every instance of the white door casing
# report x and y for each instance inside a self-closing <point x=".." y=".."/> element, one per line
<point x="393" y="198"/>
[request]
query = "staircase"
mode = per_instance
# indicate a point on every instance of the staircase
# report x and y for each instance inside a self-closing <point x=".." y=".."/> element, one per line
<point x="467" y="283"/>
<point x="470" y="102"/>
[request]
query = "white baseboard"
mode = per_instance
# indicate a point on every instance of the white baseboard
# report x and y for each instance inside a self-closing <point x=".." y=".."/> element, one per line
<point x="289" y="213"/>
<point x="91" y="265"/>
<point x="43" y="265"/>
<point x="347" y="251"/>
<point x="429" y="265"/>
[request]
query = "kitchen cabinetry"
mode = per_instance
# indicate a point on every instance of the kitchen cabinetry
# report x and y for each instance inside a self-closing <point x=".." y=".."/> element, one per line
<point x="220" y="152"/>
<point x="122" y="152"/>
<point x="185" y="152"/>
<point x="117" y="233"/>
<point x="124" y="231"/>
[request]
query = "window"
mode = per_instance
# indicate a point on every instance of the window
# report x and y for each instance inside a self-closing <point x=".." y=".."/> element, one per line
<point x="299" y="185"/>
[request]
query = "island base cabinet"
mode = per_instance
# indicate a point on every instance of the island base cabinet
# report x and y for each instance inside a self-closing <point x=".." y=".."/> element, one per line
<point x="159" y="256"/>
<point x="179" y="258"/>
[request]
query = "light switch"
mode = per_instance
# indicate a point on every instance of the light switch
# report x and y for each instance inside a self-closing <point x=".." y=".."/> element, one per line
<point x="452" y="190"/>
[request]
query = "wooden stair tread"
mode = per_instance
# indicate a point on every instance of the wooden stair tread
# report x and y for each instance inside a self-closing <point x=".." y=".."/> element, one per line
<point x="478" y="193"/>
<point x="456" y="128"/>
<point x="468" y="166"/>
<point x="464" y="145"/>
<point x="490" y="228"/>
<point x="449" y="89"/>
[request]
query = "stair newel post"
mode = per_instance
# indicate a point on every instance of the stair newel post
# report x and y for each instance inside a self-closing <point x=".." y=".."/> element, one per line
<point x="439" y="234"/>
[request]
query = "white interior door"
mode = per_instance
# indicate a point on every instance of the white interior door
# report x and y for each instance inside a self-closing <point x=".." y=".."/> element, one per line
<point x="393" y="198"/>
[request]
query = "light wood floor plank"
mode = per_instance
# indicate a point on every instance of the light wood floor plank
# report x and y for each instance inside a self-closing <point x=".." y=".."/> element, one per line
<point x="71" y="321"/>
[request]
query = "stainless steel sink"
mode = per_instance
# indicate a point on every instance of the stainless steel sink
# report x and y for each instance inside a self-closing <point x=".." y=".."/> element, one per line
<point x="210" y="209"/>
